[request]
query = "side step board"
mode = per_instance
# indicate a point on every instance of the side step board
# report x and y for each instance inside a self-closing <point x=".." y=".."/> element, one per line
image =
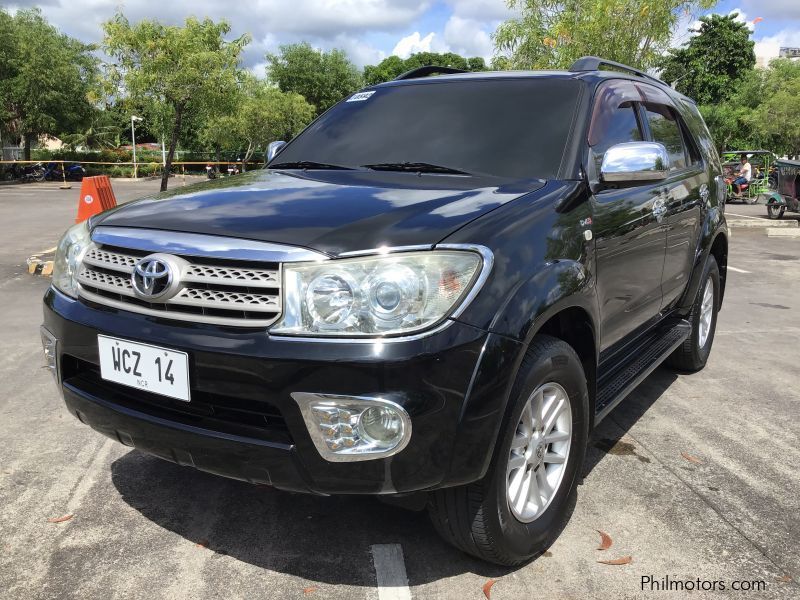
<point x="639" y="360"/>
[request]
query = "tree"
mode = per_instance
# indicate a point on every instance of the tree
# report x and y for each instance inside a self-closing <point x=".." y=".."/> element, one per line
<point x="709" y="66"/>
<point x="322" y="78"/>
<point x="392" y="66"/>
<point x="257" y="114"/>
<point x="552" y="34"/>
<point x="267" y="114"/>
<point x="171" y="71"/>
<point x="46" y="78"/>
<point x="779" y="112"/>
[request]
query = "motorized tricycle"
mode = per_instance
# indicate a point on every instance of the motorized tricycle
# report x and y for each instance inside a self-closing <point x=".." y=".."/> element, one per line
<point x="787" y="193"/>
<point x="762" y="181"/>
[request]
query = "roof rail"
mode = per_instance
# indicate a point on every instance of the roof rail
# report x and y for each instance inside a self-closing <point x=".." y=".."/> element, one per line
<point x="593" y="63"/>
<point x="427" y="70"/>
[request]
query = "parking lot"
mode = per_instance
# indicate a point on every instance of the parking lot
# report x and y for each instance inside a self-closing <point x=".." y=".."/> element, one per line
<point x="693" y="476"/>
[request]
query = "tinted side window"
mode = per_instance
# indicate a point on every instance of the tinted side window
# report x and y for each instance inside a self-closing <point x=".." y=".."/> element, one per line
<point x="614" y="126"/>
<point x="665" y="129"/>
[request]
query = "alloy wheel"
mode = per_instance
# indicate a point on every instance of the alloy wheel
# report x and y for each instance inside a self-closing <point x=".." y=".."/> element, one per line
<point x="539" y="452"/>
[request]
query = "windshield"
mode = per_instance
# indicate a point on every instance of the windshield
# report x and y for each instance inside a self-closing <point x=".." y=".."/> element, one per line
<point x="515" y="128"/>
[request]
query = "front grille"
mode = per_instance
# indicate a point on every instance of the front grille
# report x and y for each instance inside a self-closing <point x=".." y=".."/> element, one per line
<point x="250" y="418"/>
<point x="212" y="290"/>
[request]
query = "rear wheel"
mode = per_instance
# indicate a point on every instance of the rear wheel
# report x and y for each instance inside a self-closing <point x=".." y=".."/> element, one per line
<point x="692" y="355"/>
<point x="775" y="211"/>
<point x="518" y="509"/>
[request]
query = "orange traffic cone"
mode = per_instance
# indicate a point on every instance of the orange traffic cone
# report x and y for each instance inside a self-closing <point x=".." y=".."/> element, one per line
<point x="96" y="196"/>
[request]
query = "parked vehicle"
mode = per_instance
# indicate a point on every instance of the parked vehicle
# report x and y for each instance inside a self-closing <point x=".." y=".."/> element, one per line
<point x="438" y="289"/>
<point x="764" y="175"/>
<point x="56" y="171"/>
<point x="787" y="194"/>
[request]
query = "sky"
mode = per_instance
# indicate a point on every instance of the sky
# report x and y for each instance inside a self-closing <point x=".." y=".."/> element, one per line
<point x="370" y="30"/>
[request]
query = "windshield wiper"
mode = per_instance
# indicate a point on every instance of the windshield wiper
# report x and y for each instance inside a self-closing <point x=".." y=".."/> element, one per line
<point x="415" y="167"/>
<point x="307" y="164"/>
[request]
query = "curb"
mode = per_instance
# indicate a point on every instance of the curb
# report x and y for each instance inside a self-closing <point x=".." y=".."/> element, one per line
<point x="760" y="222"/>
<point x="785" y="233"/>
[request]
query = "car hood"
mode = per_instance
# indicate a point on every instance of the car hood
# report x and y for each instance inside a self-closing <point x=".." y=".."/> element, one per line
<point x="327" y="211"/>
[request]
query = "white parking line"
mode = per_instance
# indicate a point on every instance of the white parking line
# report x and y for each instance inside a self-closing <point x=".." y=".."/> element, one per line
<point x="730" y="268"/>
<point x="744" y="216"/>
<point x="390" y="572"/>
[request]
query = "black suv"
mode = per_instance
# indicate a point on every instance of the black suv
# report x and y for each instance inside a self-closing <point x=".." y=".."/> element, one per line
<point x="440" y="287"/>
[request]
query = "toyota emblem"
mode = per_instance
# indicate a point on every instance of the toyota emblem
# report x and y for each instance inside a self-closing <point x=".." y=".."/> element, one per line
<point x="155" y="277"/>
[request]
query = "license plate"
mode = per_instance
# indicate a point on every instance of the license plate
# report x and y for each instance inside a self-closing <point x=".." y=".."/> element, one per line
<point x="148" y="368"/>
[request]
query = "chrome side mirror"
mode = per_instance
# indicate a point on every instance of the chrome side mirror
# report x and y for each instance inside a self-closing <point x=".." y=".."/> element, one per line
<point x="633" y="162"/>
<point x="273" y="149"/>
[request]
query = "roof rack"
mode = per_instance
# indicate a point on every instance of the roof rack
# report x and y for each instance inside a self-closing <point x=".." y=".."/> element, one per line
<point x="593" y="63"/>
<point x="427" y="70"/>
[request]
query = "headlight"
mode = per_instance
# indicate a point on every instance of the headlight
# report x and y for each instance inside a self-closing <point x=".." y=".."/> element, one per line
<point x="377" y="295"/>
<point x="69" y="254"/>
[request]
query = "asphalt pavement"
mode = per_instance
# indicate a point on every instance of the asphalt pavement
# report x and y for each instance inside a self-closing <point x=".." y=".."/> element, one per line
<point x="694" y="477"/>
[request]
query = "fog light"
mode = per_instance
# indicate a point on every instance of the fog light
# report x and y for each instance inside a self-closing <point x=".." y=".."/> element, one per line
<point x="49" y="346"/>
<point x="350" y="428"/>
<point x="381" y="425"/>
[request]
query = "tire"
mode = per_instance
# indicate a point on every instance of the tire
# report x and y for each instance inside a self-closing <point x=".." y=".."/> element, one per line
<point x="775" y="211"/>
<point x="692" y="355"/>
<point x="477" y="518"/>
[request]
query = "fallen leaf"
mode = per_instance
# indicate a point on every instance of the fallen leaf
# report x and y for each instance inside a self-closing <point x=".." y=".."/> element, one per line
<point x="625" y="560"/>
<point x="202" y="543"/>
<point x="487" y="588"/>
<point x="691" y="459"/>
<point x="309" y="590"/>
<point x="59" y="519"/>
<point x="547" y="554"/>
<point x="783" y="579"/>
<point x="605" y="540"/>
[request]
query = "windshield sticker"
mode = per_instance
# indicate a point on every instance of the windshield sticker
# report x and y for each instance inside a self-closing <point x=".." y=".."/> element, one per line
<point x="360" y="96"/>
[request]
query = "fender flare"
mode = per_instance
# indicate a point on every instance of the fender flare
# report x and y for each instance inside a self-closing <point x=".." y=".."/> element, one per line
<point x="713" y="227"/>
<point x="556" y="286"/>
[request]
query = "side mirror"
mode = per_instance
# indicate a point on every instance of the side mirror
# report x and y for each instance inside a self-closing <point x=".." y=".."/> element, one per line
<point x="273" y="149"/>
<point x="634" y="162"/>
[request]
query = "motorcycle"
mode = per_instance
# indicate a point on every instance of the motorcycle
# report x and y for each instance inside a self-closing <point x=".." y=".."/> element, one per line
<point x="59" y="171"/>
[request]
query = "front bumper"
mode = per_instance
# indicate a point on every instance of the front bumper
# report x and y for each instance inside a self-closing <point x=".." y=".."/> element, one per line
<point x="243" y="423"/>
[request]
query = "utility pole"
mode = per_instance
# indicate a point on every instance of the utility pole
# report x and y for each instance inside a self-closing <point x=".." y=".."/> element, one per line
<point x="134" y="118"/>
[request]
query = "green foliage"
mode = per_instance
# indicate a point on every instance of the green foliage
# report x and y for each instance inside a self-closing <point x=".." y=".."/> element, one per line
<point x="762" y="111"/>
<point x="552" y="34"/>
<point x="260" y="113"/>
<point x="392" y="66"/>
<point x="322" y="78"/>
<point x="46" y="77"/>
<point x="171" y="71"/>
<point x="712" y="63"/>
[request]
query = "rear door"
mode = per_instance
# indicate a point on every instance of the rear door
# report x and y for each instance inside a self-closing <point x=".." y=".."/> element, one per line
<point x="684" y="192"/>
<point x="627" y="221"/>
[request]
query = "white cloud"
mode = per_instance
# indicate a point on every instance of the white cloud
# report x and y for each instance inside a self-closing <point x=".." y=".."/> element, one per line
<point x="768" y="47"/>
<point x="414" y="43"/>
<point x="481" y="10"/>
<point x="783" y="10"/>
<point x="323" y="23"/>
<point x="467" y="37"/>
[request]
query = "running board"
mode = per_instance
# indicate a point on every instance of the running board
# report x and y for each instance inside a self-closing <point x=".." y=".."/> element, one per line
<point x="640" y="360"/>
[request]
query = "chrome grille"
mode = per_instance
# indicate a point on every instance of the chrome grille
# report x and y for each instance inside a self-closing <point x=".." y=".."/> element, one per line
<point x="211" y="291"/>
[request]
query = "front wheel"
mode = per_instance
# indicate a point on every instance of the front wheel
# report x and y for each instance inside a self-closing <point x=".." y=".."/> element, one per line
<point x="775" y="211"/>
<point x="518" y="509"/>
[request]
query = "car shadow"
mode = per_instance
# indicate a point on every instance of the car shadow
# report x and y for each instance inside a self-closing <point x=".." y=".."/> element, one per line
<point x="327" y="539"/>
<point x="316" y="538"/>
<point x="607" y="438"/>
